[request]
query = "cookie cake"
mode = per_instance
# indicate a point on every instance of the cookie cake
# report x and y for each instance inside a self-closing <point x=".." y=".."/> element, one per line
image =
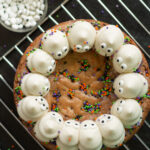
<point x="84" y="85"/>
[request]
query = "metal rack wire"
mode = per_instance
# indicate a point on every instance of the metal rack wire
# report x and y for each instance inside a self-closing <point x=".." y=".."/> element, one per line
<point x="51" y="17"/>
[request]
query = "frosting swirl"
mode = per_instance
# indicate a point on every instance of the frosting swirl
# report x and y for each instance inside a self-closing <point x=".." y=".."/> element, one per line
<point x="108" y="40"/>
<point x="55" y="43"/>
<point x="81" y="36"/>
<point x="35" y="84"/>
<point x="48" y="127"/>
<point x="128" y="111"/>
<point x="32" y="108"/>
<point x="41" y="62"/>
<point x="127" y="59"/>
<point x="112" y="130"/>
<point x="130" y="85"/>
<point x="89" y="137"/>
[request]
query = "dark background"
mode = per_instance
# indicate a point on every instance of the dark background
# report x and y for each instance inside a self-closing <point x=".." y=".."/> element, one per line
<point x="8" y="39"/>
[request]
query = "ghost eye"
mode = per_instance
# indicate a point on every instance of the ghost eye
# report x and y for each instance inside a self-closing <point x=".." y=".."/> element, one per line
<point x="123" y="66"/>
<point x="119" y="109"/>
<point x="36" y="99"/>
<point x="50" y="69"/>
<point x="53" y="114"/>
<point x="68" y="122"/>
<point x="53" y="62"/>
<point x="122" y="102"/>
<point x="109" y="50"/>
<point x="109" y="117"/>
<point x="59" y="54"/>
<point x="59" y="120"/>
<point x="102" y="121"/>
<point x="121" y="83"/>
<point x="103" y="45"/>
<point x="86" y="48"/>
<point x="119" y="59"/>
<point x="85" y="125"/>
<point x="76" y="125"/>
<point x="120" y="90"/>
<point x="65" y="49"/>
<point x="78" y="47"/>
<point x="43" y="107"/>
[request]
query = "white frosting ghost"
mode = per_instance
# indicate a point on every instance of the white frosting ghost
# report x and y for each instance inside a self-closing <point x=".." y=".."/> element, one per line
<point x="55" y="43"/>
<point x="69" y="135"/>
<point x="35" y="84"/>
<point x="128" y="111"/>
<point x="81" y="36"/>
<point x="89" y="137"/>
<point x="32" y="108"/>
<point x="109" y="39"/>
<point x="41" y="62"/>
<point x="130" y="85"/>
<point x="48" y="127"/>
<point x="127" y="59"/>
<point x="112" y="130"/>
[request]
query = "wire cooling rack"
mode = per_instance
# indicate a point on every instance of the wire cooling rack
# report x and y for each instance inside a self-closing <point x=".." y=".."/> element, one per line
<point x="132" y="16"/>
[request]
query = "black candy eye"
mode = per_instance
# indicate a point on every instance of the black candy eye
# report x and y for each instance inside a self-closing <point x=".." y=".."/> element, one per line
<point x="108" y="117"/>
<point x="43" y="104"/>
<point x="59" y="54"/>
<point x="53" y="114"/>
<point x="102" y="121"/>
<point x="41" y="99"/>
<point x="92" y="124"/>
<point x="103" y="45"/>
<point x="36" y="99"/>
<point x="117" y="108"/>
<point x="59" y="120"/>
<point x="76" y="124"/>
<point x="68" y="122"/>
<point x="120" y="101"/>
<point x="85" y="125"/>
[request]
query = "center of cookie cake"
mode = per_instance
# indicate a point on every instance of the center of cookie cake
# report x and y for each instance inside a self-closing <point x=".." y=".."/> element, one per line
<point x="81" y="86"/>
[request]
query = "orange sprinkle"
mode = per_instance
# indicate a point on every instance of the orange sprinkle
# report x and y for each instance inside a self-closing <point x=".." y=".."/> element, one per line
<point x="69" y="139"/>
<point x="147" y="74"/>
<point x="148" y="46"/>
<point x="96" y="28"/>
<point x="117" y="25"/>
<point x="29" y="121"/>
<point x="84" y="42"/>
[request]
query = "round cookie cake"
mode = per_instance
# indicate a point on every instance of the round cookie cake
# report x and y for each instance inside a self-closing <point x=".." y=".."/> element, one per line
<point x="84" y="85"/>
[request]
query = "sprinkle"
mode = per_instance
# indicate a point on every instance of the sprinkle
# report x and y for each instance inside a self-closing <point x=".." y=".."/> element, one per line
<point x="91" y="108"/>
<point x="78" y="117"/>
<point x="69" y="139"/>
<point x="56" y="94"/>
<point x="54" y="108"/>
<point x="71" y="93"/>
<point x="84" y="87"/>
<point x="19" y="93"/>
<point x="32" y="51"/>
<point x="84" y="66"/>
<point x="148" y="46"/>
<point x="127" y="39"/>
<point x="57" y="147"/>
